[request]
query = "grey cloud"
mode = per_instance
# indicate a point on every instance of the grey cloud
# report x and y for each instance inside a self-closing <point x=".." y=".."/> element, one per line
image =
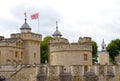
<point x="113" y="27"/>
<point x="47" y="17"/>
<point x="7" y="25"/>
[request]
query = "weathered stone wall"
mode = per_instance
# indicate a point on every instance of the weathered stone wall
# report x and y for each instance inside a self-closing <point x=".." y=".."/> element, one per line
<point x="27" y="73"/>
<point x="70" y="54"/>
<point x="67" y="58"/>
<point x="103" y="58"/>
<point x="31" y="47"/>
<point x="61" y="73"/>
<point x="59" y="49"/>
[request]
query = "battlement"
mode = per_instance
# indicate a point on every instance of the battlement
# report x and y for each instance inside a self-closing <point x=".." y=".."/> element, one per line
<point x="71" y="73"/>
<point x="79" y="53"/>
<point x="97" y="69"/>
<point x="84" y="40"/>
<point x="27" y="36"/>
<point x="61" y="44"/>
<point x="58" y="41"/>
<point x="71" y="47"/>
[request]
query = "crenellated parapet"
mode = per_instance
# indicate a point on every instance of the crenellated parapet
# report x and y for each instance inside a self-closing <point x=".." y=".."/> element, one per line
<point x="58" y="41"/>
<point x="84" y="40"/>
<point x="79" y="53"/>
<point x="70" y="47"/>
<point x="62" y="44"/>
<point x="27" y="36"/>
<point x="62" y="73"/>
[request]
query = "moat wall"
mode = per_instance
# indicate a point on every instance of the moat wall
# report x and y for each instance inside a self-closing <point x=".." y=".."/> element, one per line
<point x="61" y="73"/>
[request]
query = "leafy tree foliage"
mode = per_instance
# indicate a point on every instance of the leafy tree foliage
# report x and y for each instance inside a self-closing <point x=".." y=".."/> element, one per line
<point x="94" y="51"/>
<point x="44" y="49"/>
<point x="113" y="48"/>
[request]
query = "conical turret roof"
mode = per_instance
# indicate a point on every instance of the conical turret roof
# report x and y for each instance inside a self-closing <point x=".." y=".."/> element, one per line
<point x="25" y="25"/>
<point x="57" y="32"/>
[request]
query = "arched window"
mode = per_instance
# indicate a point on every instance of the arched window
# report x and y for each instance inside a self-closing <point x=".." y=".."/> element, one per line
<point x="85" y="68"/>
<point x="16" y="54"/>
<point x="34" y="55"/>
<point x="17" y="45"/>
<point x="22" y="45"/>
<point x="35" y="63"/>
<point x="77" y="78"/>
<point x="21" y="54"/>
<point x="85" y="57"/>
<point x="8" y="61"/>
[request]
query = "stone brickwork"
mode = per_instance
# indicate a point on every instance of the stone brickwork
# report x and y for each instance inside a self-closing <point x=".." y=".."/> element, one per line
<point x="103" y="58"/>
<point x="21" y="48"/>
<point x="60" y="73"/>
<point x="27" y="73"/>
<point x="31" y="47"/>
<point x="61" y="52"/>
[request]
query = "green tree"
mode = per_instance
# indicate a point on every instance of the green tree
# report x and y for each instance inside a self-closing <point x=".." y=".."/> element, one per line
<point x="44" y="49"/>
<point x="113" y="48"/>
<point x="94" y="51"/>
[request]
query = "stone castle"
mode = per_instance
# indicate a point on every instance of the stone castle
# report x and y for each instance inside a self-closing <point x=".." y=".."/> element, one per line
<point x="21" y="48"/>
<point x="79" y="53"/>
<point x="20" y="59"/>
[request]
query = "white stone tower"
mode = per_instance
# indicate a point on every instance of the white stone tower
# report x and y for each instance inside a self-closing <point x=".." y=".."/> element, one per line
<point x="103" y="55"/>
<point x="61" y="52"/>
<point x="31" y="44"/>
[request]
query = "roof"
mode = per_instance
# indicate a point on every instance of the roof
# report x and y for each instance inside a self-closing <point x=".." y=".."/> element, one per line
<point x="57" y="33"/>
<point x="25" y="25"/>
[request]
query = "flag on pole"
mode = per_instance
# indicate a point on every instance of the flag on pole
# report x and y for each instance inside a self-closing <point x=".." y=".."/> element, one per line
<point x="35" y="16"/>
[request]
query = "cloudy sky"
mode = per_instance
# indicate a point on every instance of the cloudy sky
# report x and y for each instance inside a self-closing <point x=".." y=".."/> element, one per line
<point x="99" y="19"/>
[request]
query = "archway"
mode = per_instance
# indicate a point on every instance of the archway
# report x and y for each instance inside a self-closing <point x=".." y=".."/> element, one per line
<point x="64" y="76"/>
<point x="90" y="76"/>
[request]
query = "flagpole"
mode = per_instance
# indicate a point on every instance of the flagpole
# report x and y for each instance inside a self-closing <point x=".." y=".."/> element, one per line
<point x="36" y="16"/>
<point x="38" y="22"/>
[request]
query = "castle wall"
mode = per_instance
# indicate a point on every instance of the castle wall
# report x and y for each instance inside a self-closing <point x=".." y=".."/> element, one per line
<point x="70" y="54"/>
<point x="71" y="73"/>
<point x="27" y="36"/>
<point x="9" y="55"/>
<point x="25" y="74"/>
<point x="8" y="70"/>
<point x="70" y="58"/>
<point x="2" y="55"/>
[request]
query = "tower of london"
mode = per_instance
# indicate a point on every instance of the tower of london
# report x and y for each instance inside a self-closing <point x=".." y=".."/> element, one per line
<point x="20" y="59"/>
